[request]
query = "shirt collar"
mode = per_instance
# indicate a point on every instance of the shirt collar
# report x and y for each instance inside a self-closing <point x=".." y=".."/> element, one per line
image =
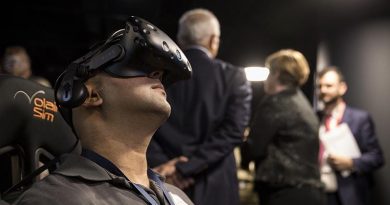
<point x="91" y="166"/>
<point x="102" y="162"/>
<point x="94" y="167"/>
<point x="74" y="165"/>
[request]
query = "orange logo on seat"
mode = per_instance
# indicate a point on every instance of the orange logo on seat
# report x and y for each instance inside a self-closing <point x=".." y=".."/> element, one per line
<point x="44" y="109"/>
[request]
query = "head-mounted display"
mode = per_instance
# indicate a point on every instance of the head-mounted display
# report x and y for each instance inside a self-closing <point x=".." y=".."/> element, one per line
<point x="137" y="50"/>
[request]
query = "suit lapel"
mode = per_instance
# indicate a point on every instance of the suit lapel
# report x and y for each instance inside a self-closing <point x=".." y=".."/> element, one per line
<point x="346" y="116"/>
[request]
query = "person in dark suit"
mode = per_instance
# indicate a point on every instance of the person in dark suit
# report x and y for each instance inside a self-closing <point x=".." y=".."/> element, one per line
<point x="194" y="148"/>
<point x="353" y="188"/>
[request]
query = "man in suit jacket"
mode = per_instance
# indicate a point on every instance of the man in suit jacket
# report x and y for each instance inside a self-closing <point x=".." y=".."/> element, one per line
<point x="352" y="189"/>
<point x="194" y="148"/>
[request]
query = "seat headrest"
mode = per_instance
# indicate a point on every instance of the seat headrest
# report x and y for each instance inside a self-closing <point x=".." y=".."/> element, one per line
<point x="30" y="119"/>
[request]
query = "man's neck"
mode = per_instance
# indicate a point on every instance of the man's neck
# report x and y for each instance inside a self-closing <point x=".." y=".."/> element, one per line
<point x="125" y="146"/>
<point x="132" y="162"/>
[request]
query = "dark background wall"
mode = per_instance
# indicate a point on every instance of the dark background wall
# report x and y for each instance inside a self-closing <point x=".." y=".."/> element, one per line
<point x="356" y="33"/>
<point x="57" y="32"/>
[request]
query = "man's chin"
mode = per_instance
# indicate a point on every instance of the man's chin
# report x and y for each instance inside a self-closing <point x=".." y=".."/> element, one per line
<point x="328" y="102"/>
<point x="164" y="112"/>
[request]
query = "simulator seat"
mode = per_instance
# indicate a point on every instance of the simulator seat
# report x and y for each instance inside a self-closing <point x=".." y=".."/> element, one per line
<point x="32" y="134"/>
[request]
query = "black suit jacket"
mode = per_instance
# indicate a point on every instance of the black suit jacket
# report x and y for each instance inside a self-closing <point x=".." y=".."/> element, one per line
<point x="355" y="189"/>
<point x="209" y="114"/>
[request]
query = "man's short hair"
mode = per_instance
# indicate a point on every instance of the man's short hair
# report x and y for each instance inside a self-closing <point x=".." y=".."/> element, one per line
<point x="196" y="25"/>
<point x="329" y="69"/>
<point x="292" y="66"/>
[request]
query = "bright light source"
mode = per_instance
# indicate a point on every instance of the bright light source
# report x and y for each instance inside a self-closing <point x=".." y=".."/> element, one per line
<point x="256" y="73"/>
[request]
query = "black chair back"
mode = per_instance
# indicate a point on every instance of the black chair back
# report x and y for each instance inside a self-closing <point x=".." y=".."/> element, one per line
<point x="31" y="129"/>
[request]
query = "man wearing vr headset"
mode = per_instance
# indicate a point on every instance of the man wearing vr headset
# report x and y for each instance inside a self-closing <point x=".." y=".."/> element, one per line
<point x="114" y="99"/>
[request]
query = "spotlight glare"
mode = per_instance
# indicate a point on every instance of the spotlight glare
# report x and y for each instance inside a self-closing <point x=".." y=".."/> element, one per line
<point x="256" y="73"/>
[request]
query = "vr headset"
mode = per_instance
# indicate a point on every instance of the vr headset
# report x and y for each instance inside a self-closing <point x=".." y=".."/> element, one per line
<point x="135" y="51"/>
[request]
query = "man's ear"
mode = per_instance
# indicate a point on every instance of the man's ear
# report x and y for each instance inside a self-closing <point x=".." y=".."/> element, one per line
<point x="343" y="88"/>
<point x="94" y="98"/>
<point x="214" y="45"/>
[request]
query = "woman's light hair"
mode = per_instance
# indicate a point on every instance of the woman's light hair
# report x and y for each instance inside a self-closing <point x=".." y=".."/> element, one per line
<point x="292" y="66"/>
<point x="195" y="26"/>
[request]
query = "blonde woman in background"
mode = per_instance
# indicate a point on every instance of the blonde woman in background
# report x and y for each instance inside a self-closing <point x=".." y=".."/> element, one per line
<point x="284" y="136"/>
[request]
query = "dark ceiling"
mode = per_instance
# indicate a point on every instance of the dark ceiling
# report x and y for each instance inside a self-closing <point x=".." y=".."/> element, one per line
<point x="56" y="32"/>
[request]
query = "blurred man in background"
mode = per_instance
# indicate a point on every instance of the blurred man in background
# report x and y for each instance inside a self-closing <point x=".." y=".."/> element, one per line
<point x="194" y="149"/>
<point x="353" y="179"/>
<point x="16" y="62"/>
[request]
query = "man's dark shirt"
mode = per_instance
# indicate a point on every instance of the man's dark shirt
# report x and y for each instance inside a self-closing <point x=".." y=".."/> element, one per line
<point x="79" y="180"/>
